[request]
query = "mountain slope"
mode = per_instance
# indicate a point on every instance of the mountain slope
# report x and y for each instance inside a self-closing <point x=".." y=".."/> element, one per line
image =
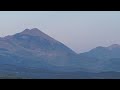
<point x="108" y="57"/>
<point x="33" y="48"/>
<point x="100" y="52"/>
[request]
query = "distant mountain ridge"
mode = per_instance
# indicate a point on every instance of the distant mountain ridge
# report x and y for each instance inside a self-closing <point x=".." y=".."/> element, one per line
<point x="111" y="51"/>
<point x="34" y="50"/>
<point x="113" y="46"/>
<point x="108" y="57"/>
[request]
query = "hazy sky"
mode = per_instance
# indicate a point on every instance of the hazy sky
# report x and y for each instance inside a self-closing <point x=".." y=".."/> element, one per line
<point x="79" y="30"/>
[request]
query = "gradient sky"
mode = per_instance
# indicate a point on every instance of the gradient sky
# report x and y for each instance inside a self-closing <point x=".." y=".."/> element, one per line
<point x="79" y="30"/>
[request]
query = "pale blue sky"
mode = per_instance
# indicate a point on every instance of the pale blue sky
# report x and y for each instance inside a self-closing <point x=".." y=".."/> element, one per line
<point x="79" y="30"/>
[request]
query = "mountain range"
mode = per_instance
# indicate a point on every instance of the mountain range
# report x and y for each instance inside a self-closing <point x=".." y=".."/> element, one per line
<point x="33" y="54"/>
<point x="108" y="57"/>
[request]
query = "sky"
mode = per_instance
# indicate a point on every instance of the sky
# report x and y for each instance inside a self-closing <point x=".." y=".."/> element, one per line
<point x="79" y="30"/>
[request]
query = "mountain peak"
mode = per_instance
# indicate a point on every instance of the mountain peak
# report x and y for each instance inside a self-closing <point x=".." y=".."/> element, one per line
<point x="35" y="29"/>
<point x="33" y="32"/>
<point x="113" y="46"/>
<point x="37" y="32"/>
